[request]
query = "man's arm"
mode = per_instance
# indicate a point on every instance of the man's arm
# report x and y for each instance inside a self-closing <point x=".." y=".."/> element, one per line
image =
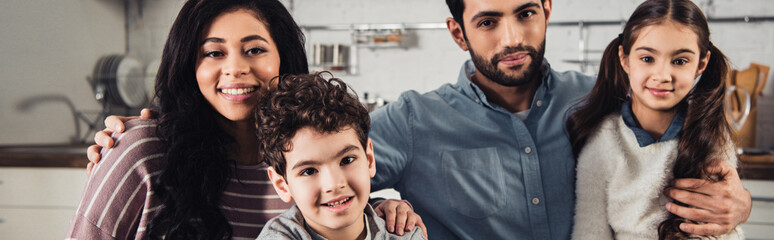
<point x="103" y="140"/>
<point x="721" y="205"/>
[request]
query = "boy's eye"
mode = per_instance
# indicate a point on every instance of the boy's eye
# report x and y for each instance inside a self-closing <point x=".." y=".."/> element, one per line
<point x="646" y="59"/>
<point x="679" y="61"/>
<point x="308" y="172"/>
<point x="254" y="51"/>
<point x="213" y="54"/>
<point x="347" y="160"/>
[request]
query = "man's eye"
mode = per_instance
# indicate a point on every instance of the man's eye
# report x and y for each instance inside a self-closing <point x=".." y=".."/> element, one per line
<point x="486" y="23"/>
<point x="308" y="172"/>
<point x="527" y="14"/>
<point x="347" y="160"/>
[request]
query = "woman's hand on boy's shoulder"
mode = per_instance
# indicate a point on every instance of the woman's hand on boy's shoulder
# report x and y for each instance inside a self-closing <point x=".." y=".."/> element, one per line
<point x="399" y="216"/>
<point x="722" y="205"/>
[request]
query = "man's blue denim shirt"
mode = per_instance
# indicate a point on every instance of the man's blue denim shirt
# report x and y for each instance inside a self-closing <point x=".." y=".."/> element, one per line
<point x="473" y="170"/>
<point x="643" y="137"/>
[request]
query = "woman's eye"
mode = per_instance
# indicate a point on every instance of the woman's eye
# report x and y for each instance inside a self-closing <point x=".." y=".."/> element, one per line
<point x="347" y="160"/>
<point x="647" y="59"/>
<point x="213" y="54"/>
<point x="308" y="172"/>
<point x="254" y="51"/>
<point x="679" y="61"/>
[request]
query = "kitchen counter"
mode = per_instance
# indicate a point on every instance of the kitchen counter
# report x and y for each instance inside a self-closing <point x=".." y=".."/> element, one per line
<point x="759" y="167"/>
<point x="67" y="156"/>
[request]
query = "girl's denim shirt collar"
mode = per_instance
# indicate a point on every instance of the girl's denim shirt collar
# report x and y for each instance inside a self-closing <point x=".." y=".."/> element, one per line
<point x="643" y="137"/>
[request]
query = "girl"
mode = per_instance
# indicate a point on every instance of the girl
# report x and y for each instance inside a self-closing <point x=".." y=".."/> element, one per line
<point x="195" y="172"/>
<point x="655" y="114"/>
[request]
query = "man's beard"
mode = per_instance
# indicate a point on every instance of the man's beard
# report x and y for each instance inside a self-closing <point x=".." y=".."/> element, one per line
<point x="489" y="68"/>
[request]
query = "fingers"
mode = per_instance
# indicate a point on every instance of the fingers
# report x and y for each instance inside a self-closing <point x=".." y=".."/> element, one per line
<point x="708" y="229"/>
<point x="695" y="214"/>
<point x="92" y="153"/>
<point x="146" y="113"/>
<point x="103" y="139"/>
<point x="400" y="219"/>
<point x="116" y="123"/>
<point x="89" y="166"/>
<point x="390" y="214"/>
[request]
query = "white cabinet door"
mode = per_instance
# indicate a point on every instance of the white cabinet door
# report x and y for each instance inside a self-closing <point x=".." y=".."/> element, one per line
<point x="38" y="203"/>
<point x="760" y="225"/>
<point x="33" y="187"/>
<point x="34" y="223"/>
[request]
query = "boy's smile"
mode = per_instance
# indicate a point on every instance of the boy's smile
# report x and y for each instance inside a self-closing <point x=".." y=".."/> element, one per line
<point x="329" y="177"/>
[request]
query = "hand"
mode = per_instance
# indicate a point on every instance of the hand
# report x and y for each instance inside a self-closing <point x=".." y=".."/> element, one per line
<point x="398" y="213"/>
<point x="102" y="138"/>
<point x="721" y="205"/>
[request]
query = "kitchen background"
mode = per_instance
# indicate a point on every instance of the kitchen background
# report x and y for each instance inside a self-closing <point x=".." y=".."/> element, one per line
<point x="49" y="48"/>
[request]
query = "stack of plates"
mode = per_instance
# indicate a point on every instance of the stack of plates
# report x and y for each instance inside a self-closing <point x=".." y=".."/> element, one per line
<point x="119" y="80"/>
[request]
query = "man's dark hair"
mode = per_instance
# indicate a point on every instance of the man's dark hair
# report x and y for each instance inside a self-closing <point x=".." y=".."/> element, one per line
<point x="456" y="7"/>
<point x="306" y="100"/>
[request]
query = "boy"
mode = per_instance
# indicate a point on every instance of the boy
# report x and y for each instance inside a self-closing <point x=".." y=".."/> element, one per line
<point x="314" y="136"/>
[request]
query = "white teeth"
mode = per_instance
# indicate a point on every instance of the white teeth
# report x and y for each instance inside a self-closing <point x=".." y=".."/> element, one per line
<point x="238" y="91"/>
<point x="336" y="204"/>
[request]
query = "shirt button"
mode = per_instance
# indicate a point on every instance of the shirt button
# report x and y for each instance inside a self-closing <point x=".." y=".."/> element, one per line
<point x="539" y="103"/>
<point x="527" y="150"/>
<point x="535" y="201"/>
<point x="478" y="101"/>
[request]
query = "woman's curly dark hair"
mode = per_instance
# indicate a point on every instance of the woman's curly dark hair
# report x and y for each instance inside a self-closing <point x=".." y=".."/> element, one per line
<point x="198" y="167"/>
<point x="300" y="101"/>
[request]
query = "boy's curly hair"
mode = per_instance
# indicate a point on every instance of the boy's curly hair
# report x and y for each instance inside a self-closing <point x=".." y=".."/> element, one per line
<point x="305" y="100"/>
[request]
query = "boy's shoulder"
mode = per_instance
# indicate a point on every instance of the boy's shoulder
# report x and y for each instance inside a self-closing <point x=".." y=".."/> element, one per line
<point x="290" y="225"/>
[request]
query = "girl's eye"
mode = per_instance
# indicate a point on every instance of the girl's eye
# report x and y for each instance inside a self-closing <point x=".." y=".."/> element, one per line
<point x="646" y="59"/>
<point x="679" y="61"/>
<point x="213" y="54"/>
<point x="486" y="23"/>
<point x="254" y="51"/>
<point x="308" y="172"/>
<point x="347" y="160"/>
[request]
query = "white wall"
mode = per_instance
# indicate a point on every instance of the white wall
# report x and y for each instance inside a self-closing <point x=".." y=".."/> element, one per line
<point x="68" y="36"/>
<point x="47" y="48"/>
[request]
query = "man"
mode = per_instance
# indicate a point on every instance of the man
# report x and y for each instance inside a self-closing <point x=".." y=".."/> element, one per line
<point x="488" y="157"/>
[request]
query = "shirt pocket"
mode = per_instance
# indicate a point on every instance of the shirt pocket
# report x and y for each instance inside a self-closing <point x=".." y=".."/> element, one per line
<point x="473" y="181"/>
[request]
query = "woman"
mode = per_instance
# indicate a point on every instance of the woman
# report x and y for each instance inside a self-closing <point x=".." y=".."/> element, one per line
<point x="194" y="173"/>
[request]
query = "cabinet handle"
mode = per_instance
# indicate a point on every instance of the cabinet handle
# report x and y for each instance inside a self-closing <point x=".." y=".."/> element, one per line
<point x="2" y="220"/>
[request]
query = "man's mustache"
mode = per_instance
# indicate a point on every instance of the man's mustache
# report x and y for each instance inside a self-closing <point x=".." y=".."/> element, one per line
<point x="531" y="51"/>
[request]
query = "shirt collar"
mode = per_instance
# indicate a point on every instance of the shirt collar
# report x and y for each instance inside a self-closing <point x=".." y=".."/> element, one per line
<point x="643" y="137"/>
<point x="475" y="93"/>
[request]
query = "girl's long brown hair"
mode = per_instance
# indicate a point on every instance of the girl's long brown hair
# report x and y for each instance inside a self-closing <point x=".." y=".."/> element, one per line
<point x="705" y="130"/>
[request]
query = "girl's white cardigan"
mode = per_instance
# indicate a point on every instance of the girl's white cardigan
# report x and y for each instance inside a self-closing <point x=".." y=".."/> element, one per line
<point x="620" y="184"/>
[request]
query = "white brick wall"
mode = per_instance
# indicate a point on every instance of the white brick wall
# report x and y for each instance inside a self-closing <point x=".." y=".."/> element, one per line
<point x="435" y="59"/>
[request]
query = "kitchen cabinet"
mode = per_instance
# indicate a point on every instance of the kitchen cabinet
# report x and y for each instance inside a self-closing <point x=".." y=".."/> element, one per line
<point x="760" y="225"/>
<point x="38" y="203"/>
